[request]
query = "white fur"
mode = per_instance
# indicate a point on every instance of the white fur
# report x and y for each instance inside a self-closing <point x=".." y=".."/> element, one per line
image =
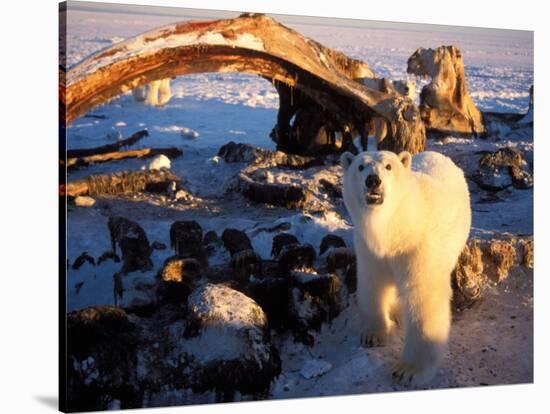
<point x="406" y="249"/>
<point x="160" y="161"/>
<point x="156" y="93"/>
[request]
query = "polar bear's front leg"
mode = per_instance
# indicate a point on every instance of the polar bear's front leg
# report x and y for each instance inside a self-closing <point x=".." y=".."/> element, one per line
<point x="376" y="297"/>
<point x="427" y="317"/>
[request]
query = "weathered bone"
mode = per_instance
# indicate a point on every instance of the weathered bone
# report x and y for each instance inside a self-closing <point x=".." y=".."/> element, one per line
<point x="250" y="43"/>
<point x="445" y="104"/>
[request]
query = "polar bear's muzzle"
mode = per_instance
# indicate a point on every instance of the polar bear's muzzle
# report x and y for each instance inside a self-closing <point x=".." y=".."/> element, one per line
<point x="374" y="197"/>
<point x="374" y="192"/>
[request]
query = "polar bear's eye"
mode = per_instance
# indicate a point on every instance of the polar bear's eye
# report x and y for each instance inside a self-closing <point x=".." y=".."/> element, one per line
<point x="388" y="167"/>
<point x="361" y="167"/>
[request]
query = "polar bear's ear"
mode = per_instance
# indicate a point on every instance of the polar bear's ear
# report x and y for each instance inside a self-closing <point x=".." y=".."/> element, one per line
<point x="346" y="159"/>
<point x="406" y="158"/>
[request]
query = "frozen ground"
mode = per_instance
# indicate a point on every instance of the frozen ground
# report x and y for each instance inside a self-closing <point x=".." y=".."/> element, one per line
<point x="242" y="108"/>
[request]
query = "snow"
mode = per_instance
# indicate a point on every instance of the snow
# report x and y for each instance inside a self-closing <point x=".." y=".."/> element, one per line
<point x="315" y="368"/>
<point x="208" y="110"/>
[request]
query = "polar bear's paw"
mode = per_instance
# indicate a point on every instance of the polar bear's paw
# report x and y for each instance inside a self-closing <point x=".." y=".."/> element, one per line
<point x="409" y="374"/>
<point x="370" y="339"/>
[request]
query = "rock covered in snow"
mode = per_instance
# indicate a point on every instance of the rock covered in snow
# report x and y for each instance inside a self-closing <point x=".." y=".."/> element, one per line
<point x="159" y="162"/>
<point x="228" y="343"/>
<point x="84" y="201"/>
<point x="101" y="359"/>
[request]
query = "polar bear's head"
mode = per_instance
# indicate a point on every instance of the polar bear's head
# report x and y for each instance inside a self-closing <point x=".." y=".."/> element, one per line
<point x="373" y="179"/>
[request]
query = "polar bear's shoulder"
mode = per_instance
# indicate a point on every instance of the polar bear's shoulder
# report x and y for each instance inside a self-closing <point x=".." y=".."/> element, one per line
<point x="428" y="161"/>
<point x="437" y="166"/>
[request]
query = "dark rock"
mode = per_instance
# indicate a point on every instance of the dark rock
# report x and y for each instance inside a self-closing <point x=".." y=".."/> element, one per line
<point x="239" y="152"/>
<point x="504" y="157"/>
<point x="503" y="168"/>
<point x="270" y="268"/>
<point x="108" y="255"/>
<point x="176" y="269"/>
<point x="235" y="241"/>
<point x="282" y="240"/>
<point x="272" y="294"/>
<point x="342" y="261"/>
<point x="133" y="243"/>
<point x="211" y="237"/>
<point x="186" y="240"/>
<point x="331" y="241"/>
<point x="136" y="292"/>
<point x="284" y="226"/>
<point x="178" y="278"/>
<point x="135" y="255"/>
<point x="281" y="195"/>
<point x="330" y="189"/>
<point x="527" y="256"/>
<point x="484" y="262"/>
<point x="83" y="258"/>
<point x="211" y="241"/>
<point x="313" y="299"/>
<point x="323" y="286"/>
<point x="227" y="347"/>
<point x="296" y="257"/>
<point x="467" y="279"/>
<point x="101" y="356"/>
<point x="340" y="258"/>
<point x="158" y="245"/>
<point x="521" y="179"/>
<point x="350" y="278"/>
<point x="246" y="263"/>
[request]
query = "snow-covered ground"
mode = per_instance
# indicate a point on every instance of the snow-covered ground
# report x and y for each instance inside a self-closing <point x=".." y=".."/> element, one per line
<point x="243" y="108"/>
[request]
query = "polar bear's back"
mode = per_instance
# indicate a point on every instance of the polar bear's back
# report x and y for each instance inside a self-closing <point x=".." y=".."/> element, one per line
<point x="440" y="168"/>
<point x="448" y="199"/>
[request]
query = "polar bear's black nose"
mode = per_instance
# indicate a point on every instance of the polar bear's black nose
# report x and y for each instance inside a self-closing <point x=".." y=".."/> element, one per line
<point x="372" y="181"/>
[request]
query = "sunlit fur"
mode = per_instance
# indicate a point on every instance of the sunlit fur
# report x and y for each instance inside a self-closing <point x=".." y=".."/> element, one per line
<point x="406" y="248"/>
<point x="156" y="93"/>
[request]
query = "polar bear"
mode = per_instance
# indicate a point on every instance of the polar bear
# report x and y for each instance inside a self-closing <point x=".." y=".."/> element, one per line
<point x="411" y="218"/>
<point x="156" y="93"/>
